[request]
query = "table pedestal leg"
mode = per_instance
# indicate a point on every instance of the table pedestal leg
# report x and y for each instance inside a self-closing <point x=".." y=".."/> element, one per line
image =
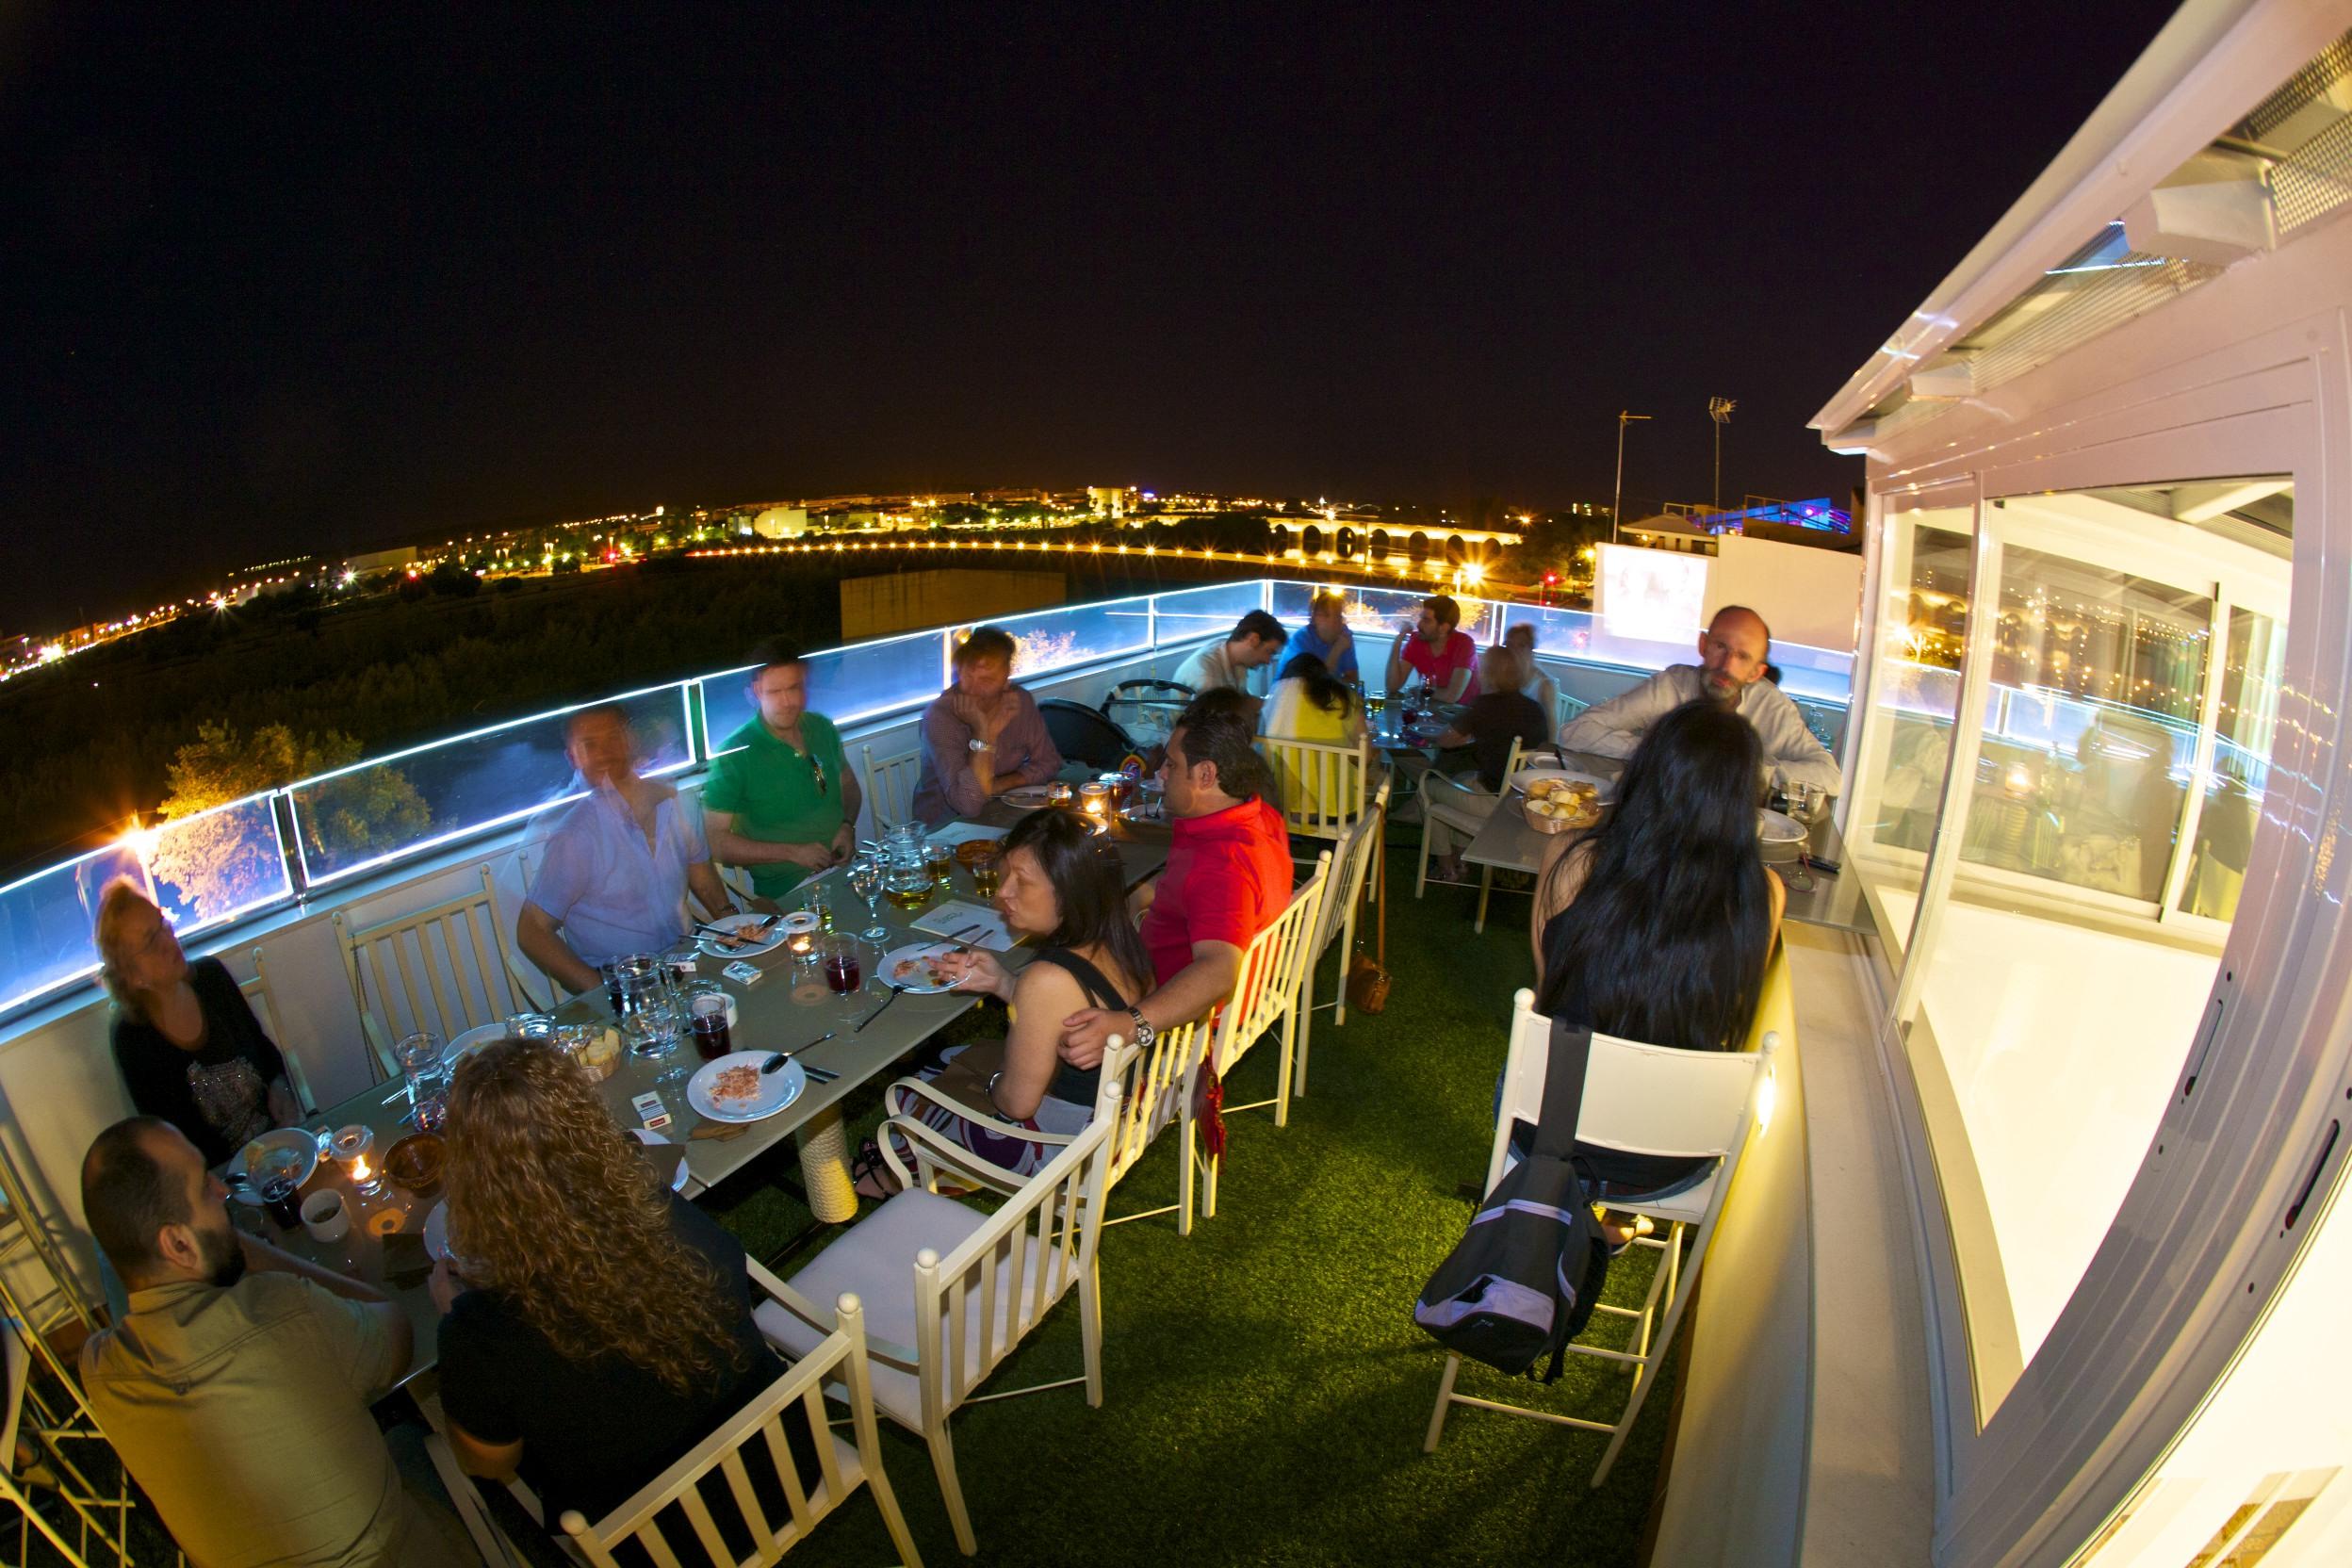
<point x="825" y="1169"/>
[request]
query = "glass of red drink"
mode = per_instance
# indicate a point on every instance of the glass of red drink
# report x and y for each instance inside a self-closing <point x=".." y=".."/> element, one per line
<point x="708" y="1024"/>
<point x="843" y="970"/>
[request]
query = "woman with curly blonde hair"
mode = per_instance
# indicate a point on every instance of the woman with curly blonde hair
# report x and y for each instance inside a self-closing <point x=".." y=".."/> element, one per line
<point x="600" y="1325"/>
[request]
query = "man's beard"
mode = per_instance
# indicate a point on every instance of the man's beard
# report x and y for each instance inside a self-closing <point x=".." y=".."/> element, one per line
<point x="224" y="1258"/>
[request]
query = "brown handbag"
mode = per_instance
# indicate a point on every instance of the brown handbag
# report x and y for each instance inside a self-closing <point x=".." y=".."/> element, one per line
<point x="1368" y="976"/>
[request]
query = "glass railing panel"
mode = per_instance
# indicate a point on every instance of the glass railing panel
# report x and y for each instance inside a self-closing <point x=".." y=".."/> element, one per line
<point x="45" y="922"/>
<point x="1061" y="639"/>
<point x="216" y="865"/>
<point x="847" y="685"/>
<point x="364" y="816"/>
<point x="2253" y="672"/>
<point x="1188" y="614"/>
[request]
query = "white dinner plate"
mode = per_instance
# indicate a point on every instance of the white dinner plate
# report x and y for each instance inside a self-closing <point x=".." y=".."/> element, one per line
<point x="437" y="1232"/>
<point x="776" y="1089"/>
<point x="473" y="1040"/>
<point x="1774" y="828"/>
<point x="302" y="1146"/>
<point x="1028" y="798"/>
<point x="655" y="1140"/>
<point x="925" y="981"/>
<point x="774" y="940"/>
<point x="1605" y="790"/>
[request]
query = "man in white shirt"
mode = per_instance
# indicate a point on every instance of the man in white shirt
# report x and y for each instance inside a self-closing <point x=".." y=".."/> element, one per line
<point x="1226" y="665"/>
<point x="1733" y="653"/>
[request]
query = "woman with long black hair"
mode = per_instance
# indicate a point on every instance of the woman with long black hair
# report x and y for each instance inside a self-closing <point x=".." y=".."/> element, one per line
<point x="1657" y="924"/>
<point x="1064" y="887"/>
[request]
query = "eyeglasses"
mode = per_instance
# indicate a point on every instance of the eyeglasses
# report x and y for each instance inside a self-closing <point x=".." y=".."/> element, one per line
<point x="816" y="765"/>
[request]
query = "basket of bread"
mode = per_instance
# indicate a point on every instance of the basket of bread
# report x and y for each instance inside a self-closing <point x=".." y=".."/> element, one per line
<point x="1557" y="805"/>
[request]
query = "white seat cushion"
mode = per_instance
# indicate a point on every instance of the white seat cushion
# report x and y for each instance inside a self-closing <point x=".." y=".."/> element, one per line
<point x="875" y="1261"/>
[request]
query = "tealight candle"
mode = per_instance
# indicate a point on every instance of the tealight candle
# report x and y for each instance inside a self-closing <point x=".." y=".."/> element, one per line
<point x="349" y="1146"/>
<point x="1095" y="800"/>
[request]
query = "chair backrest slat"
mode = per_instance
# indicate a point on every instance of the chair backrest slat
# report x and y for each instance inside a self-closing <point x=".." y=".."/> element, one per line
<point x="1273" y="968"/>
<point x="746" y="1499"/>
<point x="444" y="969"/>
<point x="781" y="1456"/>
<point x="1321" y="783"/>
<point x="706" y="1528"/>
<point x="891" y="786"/>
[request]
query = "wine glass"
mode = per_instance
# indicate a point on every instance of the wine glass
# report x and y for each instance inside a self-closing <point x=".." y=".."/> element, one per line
<point x="843" y="964"/>
<point x="1804" y="802"/>
<point x="865" y="880"/>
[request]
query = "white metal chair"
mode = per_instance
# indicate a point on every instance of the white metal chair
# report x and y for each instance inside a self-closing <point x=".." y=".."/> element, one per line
<point x="1268" y="989"/>
<point x="1139" y="1090"/>
<point x="265" y="1005"/>
<point x="670" y="1516"/>
<point x="951" y="1292"/>
<point x="1324" y="787"/>
<point x="1336" y="921"/>
<point x="890" y="786"/>
<point x="1640" y="1100"/>
<point x="1486" y="874"/>
<point x="456" y="949"/>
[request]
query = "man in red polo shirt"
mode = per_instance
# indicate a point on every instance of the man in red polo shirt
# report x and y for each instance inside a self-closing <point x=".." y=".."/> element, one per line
<point x="1228" y="879"/>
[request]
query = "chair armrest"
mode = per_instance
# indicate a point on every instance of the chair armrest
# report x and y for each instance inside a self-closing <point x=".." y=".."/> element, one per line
<point x="935" y="1151"/>
<point x="921" y="1089"/>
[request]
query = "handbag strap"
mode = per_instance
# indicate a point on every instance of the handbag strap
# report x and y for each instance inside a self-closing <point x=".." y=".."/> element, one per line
<point x="1379" y="851"/>
<point x="1563" y="1090"/>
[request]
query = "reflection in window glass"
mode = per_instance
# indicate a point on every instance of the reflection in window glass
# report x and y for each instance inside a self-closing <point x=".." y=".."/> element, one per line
<point x="2103" y="672"/>
<point x="2252" y="668"/>
<point x="1921" y="630"/>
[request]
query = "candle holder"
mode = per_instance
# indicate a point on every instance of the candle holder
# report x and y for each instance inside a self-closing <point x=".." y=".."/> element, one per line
<point x="350" y="1146"/>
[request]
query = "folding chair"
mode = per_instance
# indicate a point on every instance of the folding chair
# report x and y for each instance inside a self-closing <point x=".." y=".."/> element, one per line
<point x="436" y="945"/>
<point x="1421" y="872"/>
<point x="950" y="1292"/>
<point x="1639" y="1100"/>
<point x="265" y="1005"/>
<point x="891" y="787"/>
<point x="1336" y="921"/>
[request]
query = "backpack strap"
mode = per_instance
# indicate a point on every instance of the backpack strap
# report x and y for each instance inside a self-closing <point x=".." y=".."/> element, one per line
<point x="1563" y="1090"/>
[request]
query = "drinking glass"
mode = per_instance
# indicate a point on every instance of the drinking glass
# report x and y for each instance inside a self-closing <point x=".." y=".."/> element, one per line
<point x="843" y="965"/>
<point x="938" y="859"/>
<point x="987" y="872"/>
<point x="865" y="880"/>
<point x="818" y="901"/>
<point x="1804" y="803"/>
<point x="420" y="1058"/>
<point x="707" y="1022"/>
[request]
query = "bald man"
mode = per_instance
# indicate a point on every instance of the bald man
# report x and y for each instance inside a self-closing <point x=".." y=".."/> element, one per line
<point x="1733" y="652"/>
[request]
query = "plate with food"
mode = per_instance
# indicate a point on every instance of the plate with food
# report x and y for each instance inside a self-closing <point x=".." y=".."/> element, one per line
<point x="1028" y="798"/>
<point x="920" y="967"/>
<point x="741" y="936"/>
<point x="1537" y="782"/>
<point x="734" y="1089"/>
<point x="288" y="1150"/>
<point x="1774" y="828"/>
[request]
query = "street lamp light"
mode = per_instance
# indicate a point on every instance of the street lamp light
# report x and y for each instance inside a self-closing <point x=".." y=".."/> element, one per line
<point x="1718" y="410"/>
<point x="1617" y="504"/>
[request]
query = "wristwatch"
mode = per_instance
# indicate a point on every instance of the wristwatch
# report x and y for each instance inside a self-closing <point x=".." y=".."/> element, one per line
<point x="976" y="744"/>
<point x="1145" y="1033"/>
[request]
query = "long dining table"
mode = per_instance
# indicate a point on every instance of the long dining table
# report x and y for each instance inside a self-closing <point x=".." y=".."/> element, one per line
<point x="787" y="1008"/>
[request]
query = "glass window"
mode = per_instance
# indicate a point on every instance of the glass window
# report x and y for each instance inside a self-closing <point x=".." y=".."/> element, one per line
<point x="216" y="865"/>
<point x="2252" y="668"/>
<point x="2048" y="1017"/>
<point x="2098" y="674"/>
<point x="1050" y="640"/>
<point x="46" y="921"/>
<point x="1210" y="610"/>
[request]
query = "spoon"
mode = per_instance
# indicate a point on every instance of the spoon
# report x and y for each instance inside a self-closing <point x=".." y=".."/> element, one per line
<point x="775" y="1063"/>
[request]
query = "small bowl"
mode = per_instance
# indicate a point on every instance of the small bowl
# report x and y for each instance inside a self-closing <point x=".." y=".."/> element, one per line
<point x="414" y="1164"/>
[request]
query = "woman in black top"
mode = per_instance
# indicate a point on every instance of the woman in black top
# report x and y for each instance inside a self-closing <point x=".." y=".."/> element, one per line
<point x="1064" y="887"/>
<point x="1454" y="808"/>
<point x="188" y="1047"/>
<point x="599" y="1326"/>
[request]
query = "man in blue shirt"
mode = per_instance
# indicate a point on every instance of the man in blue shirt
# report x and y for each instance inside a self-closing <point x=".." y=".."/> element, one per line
<point x="1326" y="636"/>
<point x="618" y="865"/>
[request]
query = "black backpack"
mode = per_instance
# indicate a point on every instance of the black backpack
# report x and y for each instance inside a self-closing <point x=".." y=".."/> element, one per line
<point x="1525" y="1278"/>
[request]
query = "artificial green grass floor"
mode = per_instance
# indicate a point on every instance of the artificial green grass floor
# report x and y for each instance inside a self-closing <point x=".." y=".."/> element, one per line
<point x="1264" y="1388"/>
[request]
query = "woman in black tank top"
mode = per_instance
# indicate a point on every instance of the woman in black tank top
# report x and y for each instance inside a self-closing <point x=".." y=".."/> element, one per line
<point x="1061" y="886"/>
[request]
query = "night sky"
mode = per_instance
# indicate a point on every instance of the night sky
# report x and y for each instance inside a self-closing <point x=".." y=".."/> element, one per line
<point x="289" y="279"/>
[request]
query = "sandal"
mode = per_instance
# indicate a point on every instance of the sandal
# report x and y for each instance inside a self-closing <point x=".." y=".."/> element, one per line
<point x="871" y="1176"/>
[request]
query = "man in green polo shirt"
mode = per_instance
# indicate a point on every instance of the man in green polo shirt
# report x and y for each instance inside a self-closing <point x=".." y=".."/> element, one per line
<point x="785" y="804"/>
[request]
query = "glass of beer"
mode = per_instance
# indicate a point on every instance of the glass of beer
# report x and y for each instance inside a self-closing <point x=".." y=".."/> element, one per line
<point x="987" y="871"/>
<point x="938" y="859"/>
